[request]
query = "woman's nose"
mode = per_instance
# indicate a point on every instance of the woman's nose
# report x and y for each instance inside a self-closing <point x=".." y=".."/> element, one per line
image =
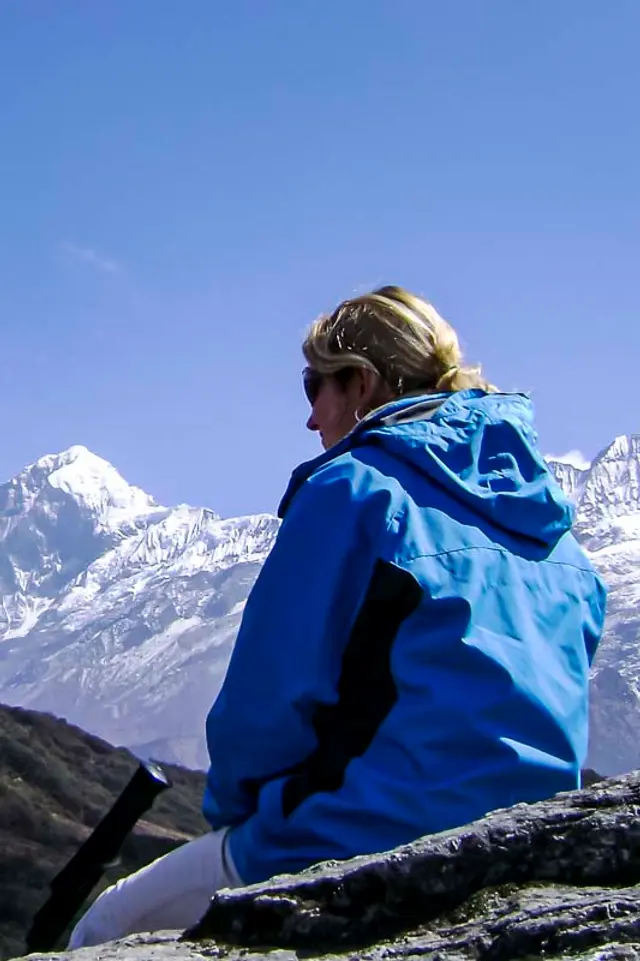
<point x="311" y="422"/>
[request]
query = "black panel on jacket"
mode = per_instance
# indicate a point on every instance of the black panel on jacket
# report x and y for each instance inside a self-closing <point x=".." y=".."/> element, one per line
<point x="366" y="688"/>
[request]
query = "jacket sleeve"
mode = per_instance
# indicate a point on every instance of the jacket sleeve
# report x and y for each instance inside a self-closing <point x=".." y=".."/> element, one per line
<point x="288" y="652"/>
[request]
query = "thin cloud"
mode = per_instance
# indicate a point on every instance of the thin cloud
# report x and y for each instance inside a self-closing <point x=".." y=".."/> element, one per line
<point x="575" y="458"/>
<point x="91" y="257"/>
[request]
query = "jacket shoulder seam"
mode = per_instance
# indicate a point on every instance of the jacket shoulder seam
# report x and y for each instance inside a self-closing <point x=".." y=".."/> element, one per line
<point x="497" y="550"/>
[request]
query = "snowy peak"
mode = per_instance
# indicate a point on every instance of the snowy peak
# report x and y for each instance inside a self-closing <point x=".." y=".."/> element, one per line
<point x="624" y="446"/>
<point x="609" y="505"/>
<point x="606" y="494"/>
<point x="96" y="487"/>
<point x="115" y="612"/>
<point x="72" y="530"/>
<point x="570" y="478"/>
<point x="56" y="517"/>
<point x="620" y="461"/>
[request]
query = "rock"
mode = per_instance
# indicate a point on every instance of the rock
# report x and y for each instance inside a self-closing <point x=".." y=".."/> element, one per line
<point x="559" y="879"/>
<point x="582" y="838"/>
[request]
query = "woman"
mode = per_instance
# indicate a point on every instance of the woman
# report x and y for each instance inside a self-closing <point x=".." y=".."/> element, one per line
<point x="415" y="651"/>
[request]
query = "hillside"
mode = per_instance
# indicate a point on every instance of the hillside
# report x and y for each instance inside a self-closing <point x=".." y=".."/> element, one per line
<point x="56" y="783"/>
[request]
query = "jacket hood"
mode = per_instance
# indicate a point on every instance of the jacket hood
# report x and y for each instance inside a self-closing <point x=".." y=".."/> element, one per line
<point x="482" y="447"/>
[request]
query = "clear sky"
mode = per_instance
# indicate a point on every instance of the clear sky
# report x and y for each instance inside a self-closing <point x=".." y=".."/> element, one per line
<point x="185" y="186"/>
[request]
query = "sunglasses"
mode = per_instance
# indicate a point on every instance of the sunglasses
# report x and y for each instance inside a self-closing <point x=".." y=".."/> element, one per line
<point x="312" y="382"/>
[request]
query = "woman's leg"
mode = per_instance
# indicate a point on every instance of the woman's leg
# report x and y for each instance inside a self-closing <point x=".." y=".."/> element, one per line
<point x="172" y="892"/>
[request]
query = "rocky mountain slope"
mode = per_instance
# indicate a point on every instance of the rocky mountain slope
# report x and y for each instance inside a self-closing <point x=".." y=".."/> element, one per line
<point x="607" y="496"/>
<point x="115" y="612"/>
<point x="56" y="783"/>
<point x="120" y="614"/>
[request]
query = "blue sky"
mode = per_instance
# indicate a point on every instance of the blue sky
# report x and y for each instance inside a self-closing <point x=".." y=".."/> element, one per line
<point x="186" y="185"/>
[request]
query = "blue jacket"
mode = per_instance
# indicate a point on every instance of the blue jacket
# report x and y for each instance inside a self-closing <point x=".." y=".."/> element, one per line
<point x="415" y="651"/>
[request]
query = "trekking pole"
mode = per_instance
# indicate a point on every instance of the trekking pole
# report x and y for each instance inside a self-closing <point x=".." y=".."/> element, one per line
<point x="74" y="883"/>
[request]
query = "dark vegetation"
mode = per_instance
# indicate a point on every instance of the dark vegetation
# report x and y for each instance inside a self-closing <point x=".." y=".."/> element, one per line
<point x="56" y="783"/>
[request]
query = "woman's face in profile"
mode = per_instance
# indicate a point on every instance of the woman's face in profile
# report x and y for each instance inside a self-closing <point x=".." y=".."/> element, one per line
<point x="333" y="408"/>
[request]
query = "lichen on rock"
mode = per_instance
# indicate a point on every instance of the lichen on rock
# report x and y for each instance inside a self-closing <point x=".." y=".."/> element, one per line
<point x="543" y="870"/>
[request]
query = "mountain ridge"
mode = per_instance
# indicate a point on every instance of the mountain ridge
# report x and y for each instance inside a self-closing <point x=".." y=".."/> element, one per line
<point x="104" y="590"/>
<point x="607" y="524"/>
<point x="121" y="614"/>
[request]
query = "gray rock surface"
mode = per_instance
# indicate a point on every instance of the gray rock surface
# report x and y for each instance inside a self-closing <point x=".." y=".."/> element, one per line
<point x="557" y="879"/>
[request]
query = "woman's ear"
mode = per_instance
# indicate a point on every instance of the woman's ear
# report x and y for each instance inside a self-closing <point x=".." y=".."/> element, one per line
<point x="365" y="383"/>
<point x="368" y="391"/>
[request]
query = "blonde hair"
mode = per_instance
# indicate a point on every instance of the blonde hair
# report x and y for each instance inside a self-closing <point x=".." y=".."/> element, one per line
<point x="396" y="334"/>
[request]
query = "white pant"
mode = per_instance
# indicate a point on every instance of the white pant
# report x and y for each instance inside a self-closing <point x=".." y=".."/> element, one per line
<point x="172" y="892"/>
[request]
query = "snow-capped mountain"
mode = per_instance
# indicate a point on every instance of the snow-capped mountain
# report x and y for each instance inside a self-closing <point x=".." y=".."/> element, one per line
<point x="607" y="497"/>
<point x="120" y="614"/>
<point x="115" y="612"/>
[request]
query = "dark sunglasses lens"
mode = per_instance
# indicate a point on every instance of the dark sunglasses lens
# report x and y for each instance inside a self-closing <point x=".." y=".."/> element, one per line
<point x="312" y="381"/>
